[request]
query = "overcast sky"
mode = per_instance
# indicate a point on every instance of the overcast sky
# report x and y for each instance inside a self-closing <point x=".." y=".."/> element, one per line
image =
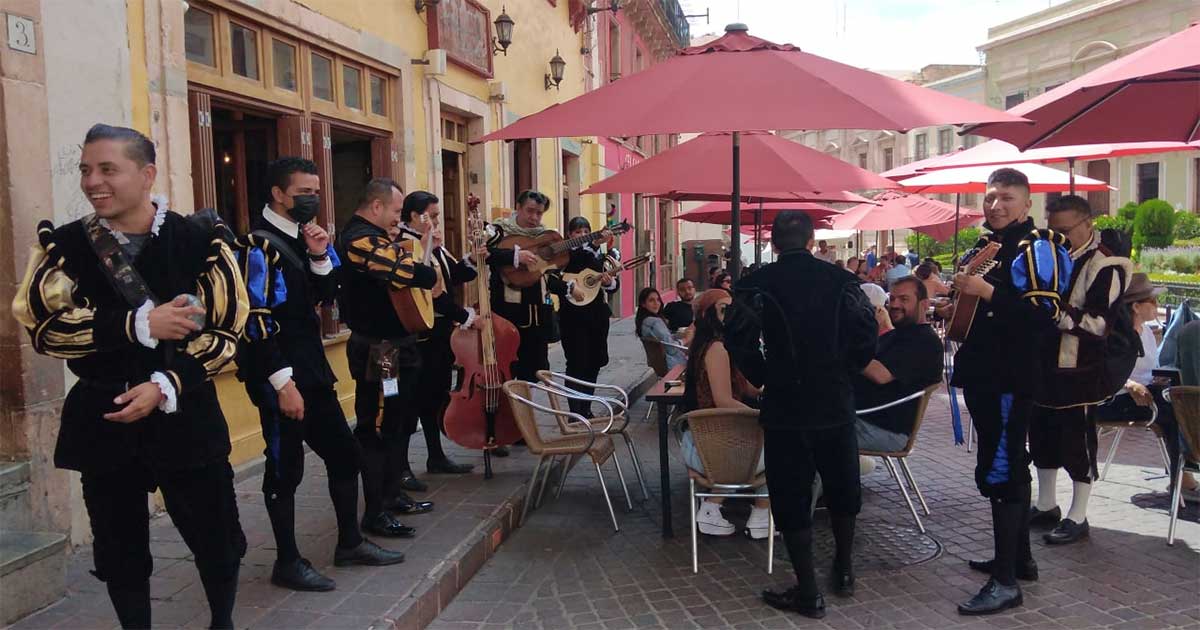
<point x="877" y="34"/>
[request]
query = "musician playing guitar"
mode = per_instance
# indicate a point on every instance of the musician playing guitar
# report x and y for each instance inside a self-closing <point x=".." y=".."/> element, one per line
<point x="381" y="354"/>
<point x="584" y="328"/>
<point x="528" y="308"/>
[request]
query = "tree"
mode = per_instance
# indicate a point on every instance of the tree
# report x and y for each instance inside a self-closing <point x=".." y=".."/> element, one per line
<point x="1153" y="225"/>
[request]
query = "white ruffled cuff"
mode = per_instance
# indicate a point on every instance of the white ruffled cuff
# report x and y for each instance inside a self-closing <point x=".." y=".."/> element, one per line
<point x="141" y="325"/>
<point x="516" y="255"/>
<point x="470" y="317"/>
<point x="168" y="404"/>
<point x="280" y="378"/>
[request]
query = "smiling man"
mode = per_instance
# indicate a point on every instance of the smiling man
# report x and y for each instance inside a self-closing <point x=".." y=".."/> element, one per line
<point x="146" y="307"/>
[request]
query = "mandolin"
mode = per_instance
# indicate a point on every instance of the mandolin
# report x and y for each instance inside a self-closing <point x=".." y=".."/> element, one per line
<point x="553" y="252"/>
<point x="965" y="306"/>
<point x="588" y="280"/>
<point x="414" y="306"/>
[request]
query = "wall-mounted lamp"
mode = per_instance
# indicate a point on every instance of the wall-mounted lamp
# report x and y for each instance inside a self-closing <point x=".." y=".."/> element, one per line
<point x="557" y="66"/>
<point x="613" y="5"/>
<point x="423" y="4"/>
<point x="504" y="29"/>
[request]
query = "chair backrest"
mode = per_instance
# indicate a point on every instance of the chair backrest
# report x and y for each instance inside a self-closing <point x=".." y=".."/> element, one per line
<point x="656" y="356"/>
<point x="729" y="442"/>
<point x="523" y="414"/>
<point x="1185" y="400"/>
<point x="557" y="400"/>
<point x="922" y="404"/>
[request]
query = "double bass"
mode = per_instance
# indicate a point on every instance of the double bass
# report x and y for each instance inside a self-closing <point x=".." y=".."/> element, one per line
<point x="478" y="415"/>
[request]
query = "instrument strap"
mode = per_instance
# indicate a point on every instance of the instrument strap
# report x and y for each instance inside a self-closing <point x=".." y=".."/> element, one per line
<point x="125" y="280"/>
<point x="283" y="247"/>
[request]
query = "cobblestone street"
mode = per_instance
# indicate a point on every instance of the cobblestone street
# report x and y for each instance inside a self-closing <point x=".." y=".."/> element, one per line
<point x="566" y="568"/>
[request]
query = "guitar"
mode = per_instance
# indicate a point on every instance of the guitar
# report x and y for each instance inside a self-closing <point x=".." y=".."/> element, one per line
<point x="965" y="306"/>
<point x="588" y="280"/>
<point x="414" y="306"/>
<point x="553" y="252"/>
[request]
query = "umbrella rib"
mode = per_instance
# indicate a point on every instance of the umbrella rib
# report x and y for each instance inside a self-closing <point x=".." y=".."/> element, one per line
<point x="1063" y="125"/>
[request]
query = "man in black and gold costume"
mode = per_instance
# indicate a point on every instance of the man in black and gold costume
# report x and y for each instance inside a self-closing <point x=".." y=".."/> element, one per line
<point x="146" y="307"/>
<point x="382" y="355"/>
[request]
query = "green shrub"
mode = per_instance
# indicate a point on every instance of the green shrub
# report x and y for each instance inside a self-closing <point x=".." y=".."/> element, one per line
<point x="1108" y="222"/>
<point x="1128" y="212"/>
<point x="1187" y="242"/>
<point x="1170" y="260"/>
<point x="1154" y="224"/>
<point x="1187" y="225"/>
<point x="1180" y="263"/>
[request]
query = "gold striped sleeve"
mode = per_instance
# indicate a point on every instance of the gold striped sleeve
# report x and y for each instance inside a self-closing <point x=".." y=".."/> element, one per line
<point x="383" y="259"/>
<point x="223" y="292"/>
<point x="59" y="327"/>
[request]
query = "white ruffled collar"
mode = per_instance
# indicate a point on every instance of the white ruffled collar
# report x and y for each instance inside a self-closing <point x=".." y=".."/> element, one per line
<point x="160" y="217"/>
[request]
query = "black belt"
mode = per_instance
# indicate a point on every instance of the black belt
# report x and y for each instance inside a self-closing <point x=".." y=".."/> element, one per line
<point x="105" y="386"/>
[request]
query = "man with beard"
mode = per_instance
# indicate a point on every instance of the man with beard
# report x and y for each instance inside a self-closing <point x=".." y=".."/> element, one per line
<point x="907" y="360"/>
<point x="679" y="313"/>
<point x="146" y="307"/>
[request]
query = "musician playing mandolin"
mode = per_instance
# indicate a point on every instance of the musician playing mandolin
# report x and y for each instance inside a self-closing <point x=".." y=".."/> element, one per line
<point x="382" y="354"/>
<point x="528" y="308"/>
<point x="419" y="216"/>
<point x="585" y="328"/>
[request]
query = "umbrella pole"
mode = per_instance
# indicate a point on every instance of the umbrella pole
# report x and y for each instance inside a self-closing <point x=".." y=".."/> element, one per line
<point x="758" y="213"/>
<point x="957" y="199"/>
<point x="735" y="221"/>
<point x="1071" y="173"/>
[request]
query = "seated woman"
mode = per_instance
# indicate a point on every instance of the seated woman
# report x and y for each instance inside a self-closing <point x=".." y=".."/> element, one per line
<point x="714" y="383"/>
<point x="650" y="324"/>
<point x="927" y="274"/>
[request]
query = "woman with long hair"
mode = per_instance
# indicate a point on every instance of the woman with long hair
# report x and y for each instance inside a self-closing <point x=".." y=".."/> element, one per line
<point x="584" y="329"/>
<point x="713" y="382"/>
<point x="650" y="323"/>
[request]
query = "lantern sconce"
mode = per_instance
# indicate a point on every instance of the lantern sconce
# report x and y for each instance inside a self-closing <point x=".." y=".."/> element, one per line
<point x="613" y="5"/>
<point x="504" y="31"/>
<point x="421" y="5"/>
<point x="557" y="66"/>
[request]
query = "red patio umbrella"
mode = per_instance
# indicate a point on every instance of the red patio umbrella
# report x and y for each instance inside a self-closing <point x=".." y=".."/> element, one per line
<point x="740" y="82"/>
<point x="720" y="213"/>
<point x="970" y="179"/>
<point x="832" y="196"/>
<point x="1152" y="94"/>
<point x="898" y="210"/>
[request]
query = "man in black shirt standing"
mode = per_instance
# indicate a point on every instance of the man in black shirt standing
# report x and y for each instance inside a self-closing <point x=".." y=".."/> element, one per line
<point x="908" y="359"/>
<point x="818" y="331"/>
<point x="679" y="313"/>
<point x="281" y="359"/>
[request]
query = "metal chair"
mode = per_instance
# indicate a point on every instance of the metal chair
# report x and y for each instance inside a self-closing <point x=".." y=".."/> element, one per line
<point x="902" y="455"/>
<point x="1118" y="429"/>
<point x="1186" y="402"/>
<point x="618" y="407"/>
<point x="593" y="443"/>
<point x="656" y="358"/>
<point x="729" y="442"/>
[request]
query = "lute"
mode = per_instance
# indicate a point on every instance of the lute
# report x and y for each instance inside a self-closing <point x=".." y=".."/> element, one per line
<point x="965" y="306"/>
<point x="588" y="280"/>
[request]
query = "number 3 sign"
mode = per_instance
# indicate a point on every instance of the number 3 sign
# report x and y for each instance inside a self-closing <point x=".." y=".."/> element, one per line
<point x="21" y="35"/>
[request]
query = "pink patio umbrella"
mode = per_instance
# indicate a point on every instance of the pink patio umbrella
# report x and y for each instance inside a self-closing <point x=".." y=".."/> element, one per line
<point x="970" y="179"/>
<point x="1152" y="94"/>
<point x="774" y="86"/>
<point x="899" y="210"/>
<point x="719" y="212"/>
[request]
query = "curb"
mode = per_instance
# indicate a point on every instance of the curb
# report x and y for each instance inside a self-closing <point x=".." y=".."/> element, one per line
<point x="445" y="580"/>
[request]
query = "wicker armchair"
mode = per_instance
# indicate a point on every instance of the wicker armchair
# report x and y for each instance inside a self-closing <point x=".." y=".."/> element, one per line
<point x="729" y="442"/>
<point x="593" y="443"/>
<point x="1186" y="401"/>
<point x="656" y="358"/>
<point x="617" y="406"/>
<point x="902" y="454"/>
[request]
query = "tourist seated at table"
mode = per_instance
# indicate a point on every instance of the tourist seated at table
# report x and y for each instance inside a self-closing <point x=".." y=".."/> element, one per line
<point x="927" y="274"/>
<point x="1132" y="403"/>
<point x="712" y="382"/>
<point x="908" y="359"/>
<point x="650" y="324"/>
<point x="723" y="280"/>
<point x="878" y="273"/>
<point x="852" y="264"/>
<point x="898" y="269"/>
<point x="679" y="313"/>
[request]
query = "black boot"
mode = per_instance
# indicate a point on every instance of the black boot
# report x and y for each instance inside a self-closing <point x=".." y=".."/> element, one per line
<point x="438" y="463"/>
<point x="344" y="495"/>
<point x="803" y="598"/>
<point x="131" y="603"/>
<point x="1001" y="592"/>
<point x="843" y="562"/>
<point x="1026" y="568"/>
<point x="222" y="595"/>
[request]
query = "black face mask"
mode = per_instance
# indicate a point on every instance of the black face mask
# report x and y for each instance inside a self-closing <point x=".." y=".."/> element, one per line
<point x="304" y="208"/>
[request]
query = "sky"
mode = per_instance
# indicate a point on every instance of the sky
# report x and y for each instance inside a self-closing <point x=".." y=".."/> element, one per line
<point x="876" y="34"/>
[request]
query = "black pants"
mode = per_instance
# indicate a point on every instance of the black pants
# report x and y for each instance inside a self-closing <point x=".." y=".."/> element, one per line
<point x="533" y="353"/>
<point x="794" y="456"/>
<point x="1064" y="438"/>
<point x="1001" y="424"/>
<point x="324" y="429"/>
<point x="383" y="435"/>
<point x="585" y="344"/>
<point x="433" y="384"/>
<point x="200" y="501"/>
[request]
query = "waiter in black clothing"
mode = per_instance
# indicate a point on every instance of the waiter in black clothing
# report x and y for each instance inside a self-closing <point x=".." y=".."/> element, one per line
<point x="818" y="330"/>
<point x="992" y="367"/>
<point x="145" y="331"/>
<point x="281" y="359"/>
<point x="419" y="215"/>
<point x="584" y="328"/>
<point x="382" y="355"/>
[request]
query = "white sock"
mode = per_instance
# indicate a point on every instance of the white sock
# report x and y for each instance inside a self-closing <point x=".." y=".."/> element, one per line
<point x="1047" y="479"/>
<point x="1079" y="501"/>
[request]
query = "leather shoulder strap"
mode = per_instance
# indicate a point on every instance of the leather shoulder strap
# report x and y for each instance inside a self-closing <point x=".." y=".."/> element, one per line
<point x="117" y="267"/>
<point x="282" y="247"/>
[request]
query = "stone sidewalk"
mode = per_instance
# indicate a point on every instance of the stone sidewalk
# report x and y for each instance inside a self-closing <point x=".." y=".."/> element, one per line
<point x="472" y="518"/>
<point x="566" y="568"/>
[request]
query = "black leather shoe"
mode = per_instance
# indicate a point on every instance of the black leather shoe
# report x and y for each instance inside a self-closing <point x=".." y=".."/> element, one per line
<point x="1067" y="532"/>
<point x="447" y="467"/>
<point x="994" y="597"/>
<point x="409" y="481"/>
<point x="384" y="524"/>
<point x="792" y="601"/>
<point x="842" y="582"/>
<point x="1044" y="518"/>
<point x="299" y="575"/>
<point x="1026" y="571"/>
<point x="500" y="451"/>
<point x="366" y="554"/>
<point x="404" y="504"/>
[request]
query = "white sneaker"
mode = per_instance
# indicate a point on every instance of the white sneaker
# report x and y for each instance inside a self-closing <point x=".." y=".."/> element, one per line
<point x="710" y="521"/>
<point x="758" y="523"/>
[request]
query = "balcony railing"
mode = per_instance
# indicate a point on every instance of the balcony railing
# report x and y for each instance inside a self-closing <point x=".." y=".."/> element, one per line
<point x="680" y="29"/>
